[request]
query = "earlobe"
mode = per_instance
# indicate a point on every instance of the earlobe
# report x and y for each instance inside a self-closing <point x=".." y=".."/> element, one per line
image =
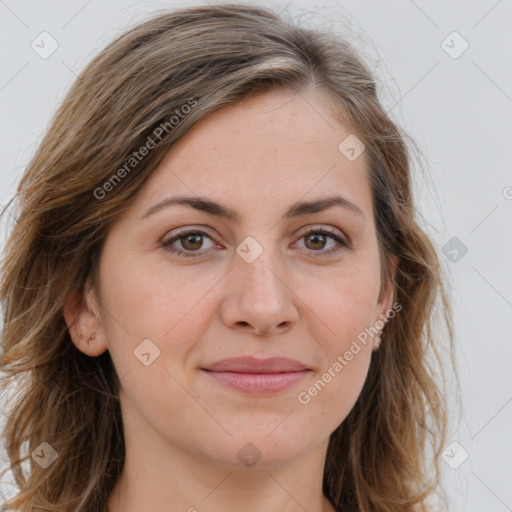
<point x="84" y="324"/>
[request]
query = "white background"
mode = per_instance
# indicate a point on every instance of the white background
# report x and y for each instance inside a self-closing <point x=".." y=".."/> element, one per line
<point x="457" y="109"/>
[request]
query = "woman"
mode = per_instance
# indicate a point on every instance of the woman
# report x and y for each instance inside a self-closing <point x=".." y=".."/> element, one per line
<point x="216" y="289"/>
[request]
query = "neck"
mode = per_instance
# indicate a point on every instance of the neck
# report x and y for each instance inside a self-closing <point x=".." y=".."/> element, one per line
<point x="176" y="482"/>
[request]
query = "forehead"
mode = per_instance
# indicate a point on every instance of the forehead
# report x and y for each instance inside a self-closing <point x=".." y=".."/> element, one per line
<point x="271" y="147"/>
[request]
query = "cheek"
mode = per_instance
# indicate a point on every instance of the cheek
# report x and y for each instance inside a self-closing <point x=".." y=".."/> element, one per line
<point x="343" y="308"/>
<point x="145" y="300"/>
<point x="149" y="298"/>
<point x="345" y="304"/>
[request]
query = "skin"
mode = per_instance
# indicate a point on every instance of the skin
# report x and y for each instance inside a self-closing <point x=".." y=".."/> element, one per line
<point x="183" y="430"/>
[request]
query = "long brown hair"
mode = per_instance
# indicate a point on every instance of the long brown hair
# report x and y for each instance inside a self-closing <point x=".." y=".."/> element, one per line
<point x="205" y="57"/>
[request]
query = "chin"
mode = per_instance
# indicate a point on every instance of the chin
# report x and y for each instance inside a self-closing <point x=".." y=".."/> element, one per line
<point x="253" y="448"/>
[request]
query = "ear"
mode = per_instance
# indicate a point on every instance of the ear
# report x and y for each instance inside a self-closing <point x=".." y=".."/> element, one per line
<point x="385" y="301"/>
<point x="83" y="320"/>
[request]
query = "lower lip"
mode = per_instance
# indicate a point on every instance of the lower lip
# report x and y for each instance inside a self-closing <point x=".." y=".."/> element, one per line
<point x="258" y="383"/>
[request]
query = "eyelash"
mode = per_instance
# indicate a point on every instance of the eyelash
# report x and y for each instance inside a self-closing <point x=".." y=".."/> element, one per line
<point x="167" y="243"/>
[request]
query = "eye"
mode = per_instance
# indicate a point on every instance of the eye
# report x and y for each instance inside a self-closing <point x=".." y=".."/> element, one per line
<point x="316" y="237"/>
<point x="192" y="239"/>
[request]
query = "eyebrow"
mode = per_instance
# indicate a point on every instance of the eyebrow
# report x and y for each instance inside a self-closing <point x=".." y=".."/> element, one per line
<point x="216" y="209"/>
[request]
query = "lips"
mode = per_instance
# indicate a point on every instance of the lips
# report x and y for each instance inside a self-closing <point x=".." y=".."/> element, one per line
<point x="256" y="376"/>
<point x="253" y="365"/>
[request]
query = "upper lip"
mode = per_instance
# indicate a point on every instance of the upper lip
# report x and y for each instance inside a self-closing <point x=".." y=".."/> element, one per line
<point x="253" y="365"/>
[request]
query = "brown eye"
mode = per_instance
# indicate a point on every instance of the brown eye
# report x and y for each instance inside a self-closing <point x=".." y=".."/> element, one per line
<point x="190" y="240"/>
<point x="317" y="239"/>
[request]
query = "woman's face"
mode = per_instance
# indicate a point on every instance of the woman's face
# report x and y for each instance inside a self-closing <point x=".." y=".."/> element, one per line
<point x="254" y="285"/>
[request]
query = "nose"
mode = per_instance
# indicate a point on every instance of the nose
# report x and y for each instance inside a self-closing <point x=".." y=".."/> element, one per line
<point x="258" y="299"/>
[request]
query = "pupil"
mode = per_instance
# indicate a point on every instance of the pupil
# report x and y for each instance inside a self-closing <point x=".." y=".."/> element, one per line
<point x="188" y="237"/>
<point x="317" y="237"/>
